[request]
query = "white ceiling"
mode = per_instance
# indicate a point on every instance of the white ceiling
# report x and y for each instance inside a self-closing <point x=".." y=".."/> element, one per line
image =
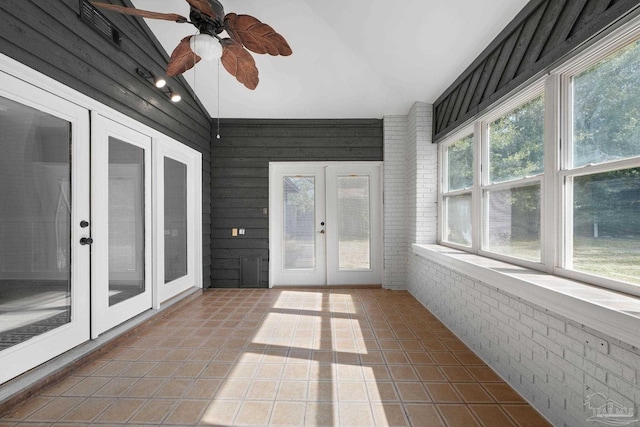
<point x="351" y="58"/>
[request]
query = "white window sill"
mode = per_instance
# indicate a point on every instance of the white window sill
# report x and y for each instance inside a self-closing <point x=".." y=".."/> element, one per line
<point x="614" y="314"/>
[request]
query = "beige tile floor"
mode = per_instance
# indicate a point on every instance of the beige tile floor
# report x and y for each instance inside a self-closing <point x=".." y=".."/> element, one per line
<point x="318" y="357"/>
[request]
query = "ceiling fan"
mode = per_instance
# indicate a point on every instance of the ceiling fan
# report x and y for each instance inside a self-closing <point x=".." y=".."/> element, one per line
<point x="208" y="17"/>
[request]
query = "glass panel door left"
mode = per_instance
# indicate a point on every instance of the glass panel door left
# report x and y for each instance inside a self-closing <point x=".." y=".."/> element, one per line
<point x="44" y="198"/>
<point x="121" y="214"/>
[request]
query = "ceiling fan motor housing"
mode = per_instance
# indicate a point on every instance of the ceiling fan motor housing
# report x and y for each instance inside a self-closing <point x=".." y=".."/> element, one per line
<point x="206" y="24"/>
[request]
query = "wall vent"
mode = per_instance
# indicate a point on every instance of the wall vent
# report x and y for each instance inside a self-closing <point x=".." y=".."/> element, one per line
<point x="250" y="272"/>
<point x="95" y="19"/>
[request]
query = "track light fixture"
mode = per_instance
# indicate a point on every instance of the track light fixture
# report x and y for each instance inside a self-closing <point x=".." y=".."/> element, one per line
<point x="174" y="96"/>
<point x="159" y="83"/>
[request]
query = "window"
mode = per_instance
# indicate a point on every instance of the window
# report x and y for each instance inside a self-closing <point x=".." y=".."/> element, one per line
<point x="570" y="208"/>
<point x="458" y="161"/>
<point x="602" y="173"/>
<point x="511" y="194"/>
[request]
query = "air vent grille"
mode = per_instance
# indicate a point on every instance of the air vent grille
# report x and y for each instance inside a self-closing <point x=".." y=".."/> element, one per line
<point x="99" y="22"/>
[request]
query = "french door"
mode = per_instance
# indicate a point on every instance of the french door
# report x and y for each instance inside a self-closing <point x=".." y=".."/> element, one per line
<point x="121" y="218"/>
<point x="325" y="225"/>
<point x="86" y="242"/>
<point x="44" y="206"/>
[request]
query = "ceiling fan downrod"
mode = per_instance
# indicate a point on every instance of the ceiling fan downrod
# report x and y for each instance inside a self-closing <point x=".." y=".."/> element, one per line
<point x="207" y="24"/>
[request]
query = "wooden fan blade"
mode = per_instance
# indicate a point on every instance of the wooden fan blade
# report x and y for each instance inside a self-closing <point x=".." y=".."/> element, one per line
<point x="139" y="12"/>
<point x="205" y="7"/>
<point x="255" y="35"/>
<point x="239" y="63"/>
<point x="182" y="58"/>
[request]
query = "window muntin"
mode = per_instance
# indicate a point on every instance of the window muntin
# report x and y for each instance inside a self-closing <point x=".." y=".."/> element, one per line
<point x="606" y="109"/>
<point x="516" y="143"/>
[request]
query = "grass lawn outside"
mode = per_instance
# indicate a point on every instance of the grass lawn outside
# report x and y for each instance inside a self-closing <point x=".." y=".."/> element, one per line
<point x="613" y="258"/>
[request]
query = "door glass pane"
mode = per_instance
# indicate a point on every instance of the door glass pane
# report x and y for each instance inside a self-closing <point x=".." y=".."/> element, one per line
<point x="126" y="221"/>
<point x="513" y="223"/>
<point x="606" y="224"/>
<point x="299" y="223"/>
<point x="354" y="240"/>
<point x="175" y="219"/>
<point x="35" y="223"/>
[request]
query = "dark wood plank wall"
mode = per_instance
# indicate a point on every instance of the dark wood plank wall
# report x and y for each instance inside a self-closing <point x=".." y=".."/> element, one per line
<point x="240" y="178"/>
<point x="542" y="33"/>
<point x="49" y="36"/>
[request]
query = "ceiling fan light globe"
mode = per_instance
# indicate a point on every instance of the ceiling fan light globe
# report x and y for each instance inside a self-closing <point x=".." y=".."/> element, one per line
<point x="206" y="47"/>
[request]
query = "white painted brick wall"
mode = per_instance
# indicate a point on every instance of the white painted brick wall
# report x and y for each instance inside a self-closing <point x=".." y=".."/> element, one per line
<point x="395" y="202"/>
<point x="552" y="361"/>
<point x="410" y="189"/>
<point x="422" y="170"/>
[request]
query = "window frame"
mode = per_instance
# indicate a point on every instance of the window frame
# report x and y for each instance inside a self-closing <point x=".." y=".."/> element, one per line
<point x="556" y="203"/>
<point x="532" y="92"/>
<point x="444" y="192"/>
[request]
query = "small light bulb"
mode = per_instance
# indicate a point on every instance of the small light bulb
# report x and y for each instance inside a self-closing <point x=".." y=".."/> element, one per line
<point x="160" y="82"/>
<point x="175" y="97"/>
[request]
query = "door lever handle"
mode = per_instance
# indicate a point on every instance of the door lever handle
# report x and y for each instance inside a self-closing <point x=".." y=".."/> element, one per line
<point x="86" y="241"/>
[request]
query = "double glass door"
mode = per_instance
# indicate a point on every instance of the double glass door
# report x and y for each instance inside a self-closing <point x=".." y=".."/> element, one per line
<point x="75" y="216"/>
<point x="325" y="224"/>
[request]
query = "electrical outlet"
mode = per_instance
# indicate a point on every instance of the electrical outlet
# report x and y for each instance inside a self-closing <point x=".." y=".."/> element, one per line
<point x="598" y="344"/>
<point x="241" y="231"/>
<point x="234" y="232"/>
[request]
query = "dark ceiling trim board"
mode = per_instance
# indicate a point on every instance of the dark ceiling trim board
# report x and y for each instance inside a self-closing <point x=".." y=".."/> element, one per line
<point x="543" y="33"/>
<point x="305" y="123"/>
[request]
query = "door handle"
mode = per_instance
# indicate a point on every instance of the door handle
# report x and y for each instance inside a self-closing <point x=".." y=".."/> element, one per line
<point x="86" y="241"/>
<point x="321" y="232"/>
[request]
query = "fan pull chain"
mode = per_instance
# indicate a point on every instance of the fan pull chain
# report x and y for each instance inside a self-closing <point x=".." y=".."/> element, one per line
<point x="218" y="134"/>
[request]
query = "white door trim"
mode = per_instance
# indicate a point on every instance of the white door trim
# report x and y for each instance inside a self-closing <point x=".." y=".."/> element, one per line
<point x="35" y="351"/>
<point x="276" y="171"/>
<point x="278" y="275"/>
<point x="103" y="316"/>
<point x="166" y="147"/>
<point x="374" y="274"/>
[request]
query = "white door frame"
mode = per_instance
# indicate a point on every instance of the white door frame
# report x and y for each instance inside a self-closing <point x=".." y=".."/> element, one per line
<point x="326" y="242"/>
<point x="103" y="316"/>
<point x="317" y="275"/>
<point x="165" y="147"/>
<point x="374" y="274"/>
<point x="35" y="351"/>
